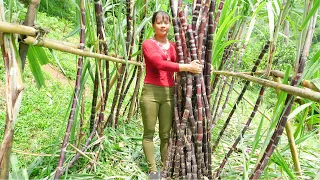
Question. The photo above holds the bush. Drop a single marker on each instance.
(64, 9)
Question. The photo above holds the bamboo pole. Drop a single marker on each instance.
(53, 45)
(277, 73)
(296, 91)
(18, 29)
(30, 31)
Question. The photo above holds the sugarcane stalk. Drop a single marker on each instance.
(228, 52)
(29, 21)
(240, 96)
(274, 38)
(81, 133)
(129, 43)
(102, 49)
(84, 148)
(14, 93)
(248, 35)
(245, 128)
(18, 29)
(299, 67)
(110, 120)
(208, 53)
(291, 141)
(139, 76)
(251, 104)
(94, 99)
(102, 97)
(139, 73)
(76, 93)
(199, 101)
(195, 15)
(280, 127)
(206, 109)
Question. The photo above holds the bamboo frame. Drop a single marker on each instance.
(314, 96)
(17, 29)
(54, 45)
(277, 73)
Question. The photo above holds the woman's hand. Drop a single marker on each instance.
(195, 67)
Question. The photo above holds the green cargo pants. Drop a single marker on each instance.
(156, 102)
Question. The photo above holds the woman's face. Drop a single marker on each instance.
(161, 26)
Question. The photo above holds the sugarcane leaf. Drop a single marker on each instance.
(57, 61)
(299, 109)
(277, 111)
(280, 161)
(271, 19)
(316, 82)
(312, 67)
(277, 6)
(257, 137)
(11, 5)
(223, 46)
(108, 7)
(88, 66)
(41, 54)
(314, 120)
(258, 9)
(75, 4)
(15, 168)
(142, 25)
(34, 164)
(73, 32)
(16, 172)
(35, 67)
(303, 138)
(314, 9)
(136, 53)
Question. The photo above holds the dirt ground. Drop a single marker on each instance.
(54, 73)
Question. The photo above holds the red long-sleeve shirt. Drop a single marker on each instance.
(159, 70)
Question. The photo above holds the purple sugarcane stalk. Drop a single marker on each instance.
(76, 93)
(261, 93)
(264, 50)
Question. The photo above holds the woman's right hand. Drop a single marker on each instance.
(195, 67)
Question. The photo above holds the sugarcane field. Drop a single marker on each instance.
(155, 89)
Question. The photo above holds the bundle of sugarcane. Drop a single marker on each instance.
(189, 151)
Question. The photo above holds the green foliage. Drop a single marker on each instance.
(64, 9)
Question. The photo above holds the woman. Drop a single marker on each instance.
(156, 99)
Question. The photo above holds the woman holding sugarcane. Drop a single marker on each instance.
(156, 101)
